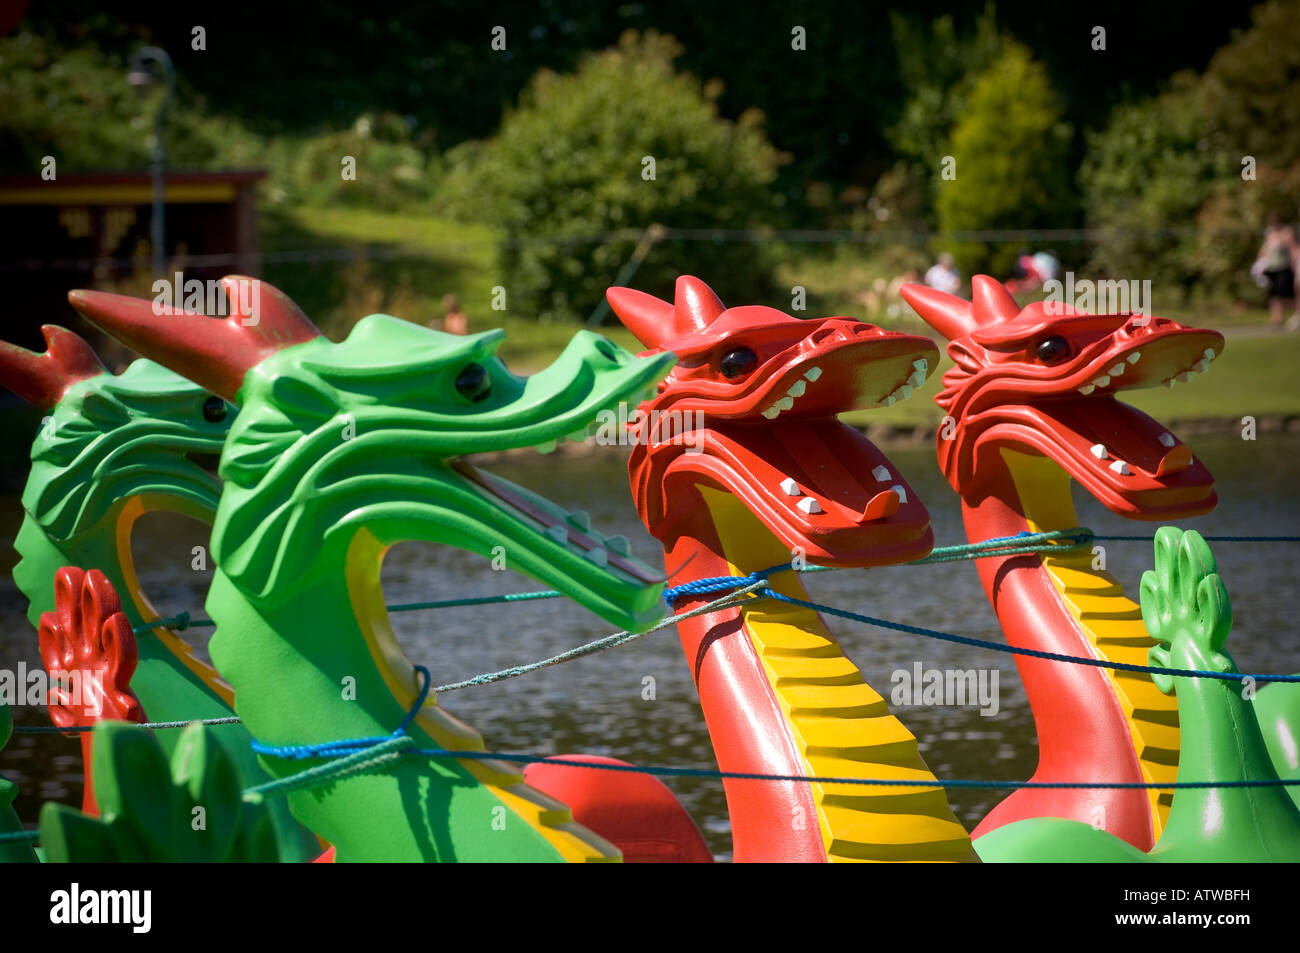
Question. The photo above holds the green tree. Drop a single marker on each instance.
(575, 160)
(1180, 185)
(1010, 150)
(938, 66)
(1145, 176)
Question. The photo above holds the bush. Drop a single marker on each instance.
(392, 171)
(1163, 180)
(1010, 149)
(568, 162)
(1144, 178)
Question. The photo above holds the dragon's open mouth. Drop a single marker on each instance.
(1129, 461)
(817, 484)
(570, 531)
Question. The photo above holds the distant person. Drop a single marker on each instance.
(1047, 265)
(1275, 262)
(943, 275)
(1032, 270)
(454, 320)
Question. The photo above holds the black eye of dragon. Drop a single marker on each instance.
(473, 383)
(214, 410)
(1053, 350)
(738, 363)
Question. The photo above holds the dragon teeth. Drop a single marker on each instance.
(917, 378)
(1134, 357)
(789, 487)
(797, 389)
(580, 520)
(598, 556)
(1118, 369)
(558, 533)
(890, 401)
(813, 373)
(1102, 381)
(902, 494)
(1166, 439)
(785, 403)
(1087, 389)
(546, 447)
(619, 544)
(1183, 376)
(1209, 354)
(921, 364)
(772, 412)
(1201, 366)
(881, 473)
(809, 505)
(1120, 467)
(905, 390)
(1099, 451)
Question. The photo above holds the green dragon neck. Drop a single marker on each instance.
(330, 648)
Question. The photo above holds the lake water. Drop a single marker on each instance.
(595, 704)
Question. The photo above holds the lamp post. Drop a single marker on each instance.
(142, 77)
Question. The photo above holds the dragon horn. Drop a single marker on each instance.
(213, 352)
(695, 305)
(43, 379)
(649, 318)
(947, 314)
(991, 302)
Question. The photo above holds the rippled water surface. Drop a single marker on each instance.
(596, 705)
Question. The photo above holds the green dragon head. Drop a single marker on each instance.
(341, 451)
(107, 438)
(372, 432)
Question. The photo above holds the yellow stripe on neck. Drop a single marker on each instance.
(132, 509)
(840, 724)
(1111, 622)
(550, 818)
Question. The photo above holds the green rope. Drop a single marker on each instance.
(1009, 546)
(608, 642)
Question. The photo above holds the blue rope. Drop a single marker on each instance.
(339, 749)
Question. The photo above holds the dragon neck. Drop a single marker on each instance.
(1064, 604)
(780, 697)
(324, 665)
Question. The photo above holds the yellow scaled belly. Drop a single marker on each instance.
(1111, 622)
(841, 725)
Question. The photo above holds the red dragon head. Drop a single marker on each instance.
(750, 410)
(1043, 380)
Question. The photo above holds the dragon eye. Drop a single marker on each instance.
(738, 363)
(214, 410)
(473, 383)
(1053, 350)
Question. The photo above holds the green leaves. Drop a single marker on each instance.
(1010, 147)
(191, 810)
